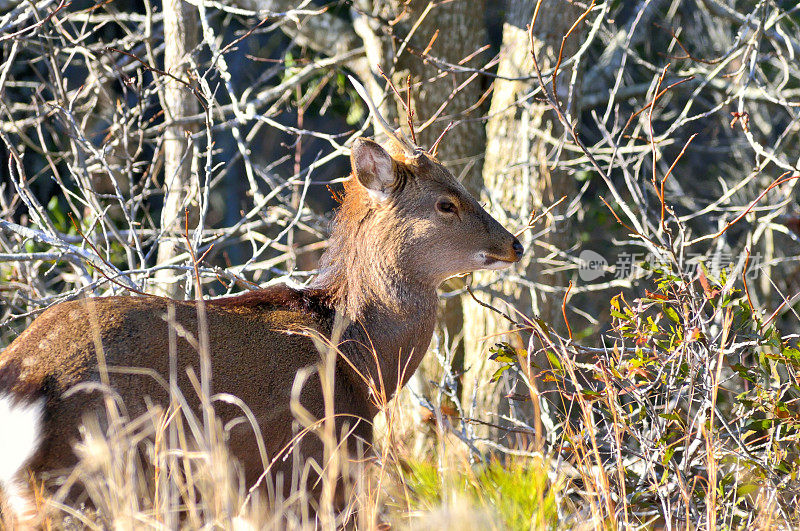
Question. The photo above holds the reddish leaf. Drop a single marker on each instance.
(707, 289)
(657, 296)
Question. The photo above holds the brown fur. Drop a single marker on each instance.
(390, 248)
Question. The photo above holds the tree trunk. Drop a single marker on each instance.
(180, 157)
(461, 32)
(519, 179)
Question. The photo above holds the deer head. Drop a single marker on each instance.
(406, 219)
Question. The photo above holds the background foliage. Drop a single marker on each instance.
(656, 386)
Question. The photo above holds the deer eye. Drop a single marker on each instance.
(446, 207)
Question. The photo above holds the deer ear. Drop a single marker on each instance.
(373, 167)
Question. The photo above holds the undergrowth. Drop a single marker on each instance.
(512, 495)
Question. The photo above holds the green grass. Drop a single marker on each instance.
(516, 494)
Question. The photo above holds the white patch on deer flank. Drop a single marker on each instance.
(22, 505)
(20, 431)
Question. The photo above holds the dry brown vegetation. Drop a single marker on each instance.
(655, 387)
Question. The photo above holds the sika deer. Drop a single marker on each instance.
(405, 225)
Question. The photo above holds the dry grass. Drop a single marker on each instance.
(668, 402)
(653, 434)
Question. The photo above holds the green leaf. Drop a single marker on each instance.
(746, 488)
(762, 424)
(792, 355)
(667, 455)
(619, 315)
(498, 373)
(54, 209)
(670, 416)
(742, 371)
(554, 361)
(671, 314)
(355, 113)
(590, 395)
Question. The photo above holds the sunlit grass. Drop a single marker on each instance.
(512, 495)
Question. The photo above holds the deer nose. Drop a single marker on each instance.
(518, 248)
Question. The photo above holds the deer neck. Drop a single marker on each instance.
(390, 315)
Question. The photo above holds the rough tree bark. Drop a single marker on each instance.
(395, 33)
(461, 32)
(180, 38)
(519, 179)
